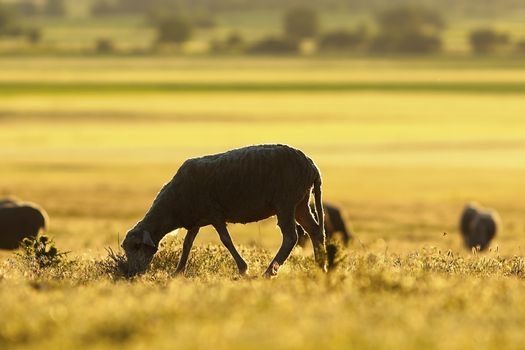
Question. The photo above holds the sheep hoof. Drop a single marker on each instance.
(243, 272)
(272, 270)
(269, 275)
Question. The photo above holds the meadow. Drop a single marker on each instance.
(402, 145)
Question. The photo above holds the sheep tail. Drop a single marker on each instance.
(319, 202)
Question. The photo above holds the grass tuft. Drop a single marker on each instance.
(115, 264)
(334, 255)
(40, 253)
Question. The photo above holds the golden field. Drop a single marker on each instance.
(402, 145)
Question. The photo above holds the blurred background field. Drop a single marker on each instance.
(401, 159)
(102, 101)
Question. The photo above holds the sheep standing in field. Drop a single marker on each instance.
(9, 201)
(19, 220)
(239, 186)
(333, 224)
(478, 226)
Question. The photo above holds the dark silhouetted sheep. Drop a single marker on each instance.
(19, 220)
(333, 224)
(478, 226)
(9, 201)
(239, 186)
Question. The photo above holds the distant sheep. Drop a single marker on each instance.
(239, 186)
(478, 226)
(19, 220)
(9, 201)
(333, 224)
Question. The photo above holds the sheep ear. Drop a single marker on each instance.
(146, 239)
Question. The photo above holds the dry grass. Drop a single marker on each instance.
(373, 300)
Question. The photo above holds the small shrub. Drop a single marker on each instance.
(234, 43)
(486, 41)
(274, 45)
(408, 29)
(411, 43)
(340, 40)
(40, 252)
(104, 46)
(401, 20)
(172, 28)
(418, 43)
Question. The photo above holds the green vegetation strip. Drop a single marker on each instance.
(18, 88)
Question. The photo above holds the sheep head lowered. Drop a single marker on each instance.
(139, 248)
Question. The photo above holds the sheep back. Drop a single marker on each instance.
(239, 186)
(19, 222)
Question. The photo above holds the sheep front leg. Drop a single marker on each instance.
(186, 247)
(286, 222)
(228, 243)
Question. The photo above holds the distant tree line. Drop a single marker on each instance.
(462, 6)
(399, 29)
(402, 29)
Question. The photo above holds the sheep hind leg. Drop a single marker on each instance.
(305, 218)
(287, 224)
(186, 247)
(228, 243)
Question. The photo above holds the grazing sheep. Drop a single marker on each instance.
(239, 186)
(19, 221)
(469, 213)
(9, 201)
(333, 224)
(478, 226)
